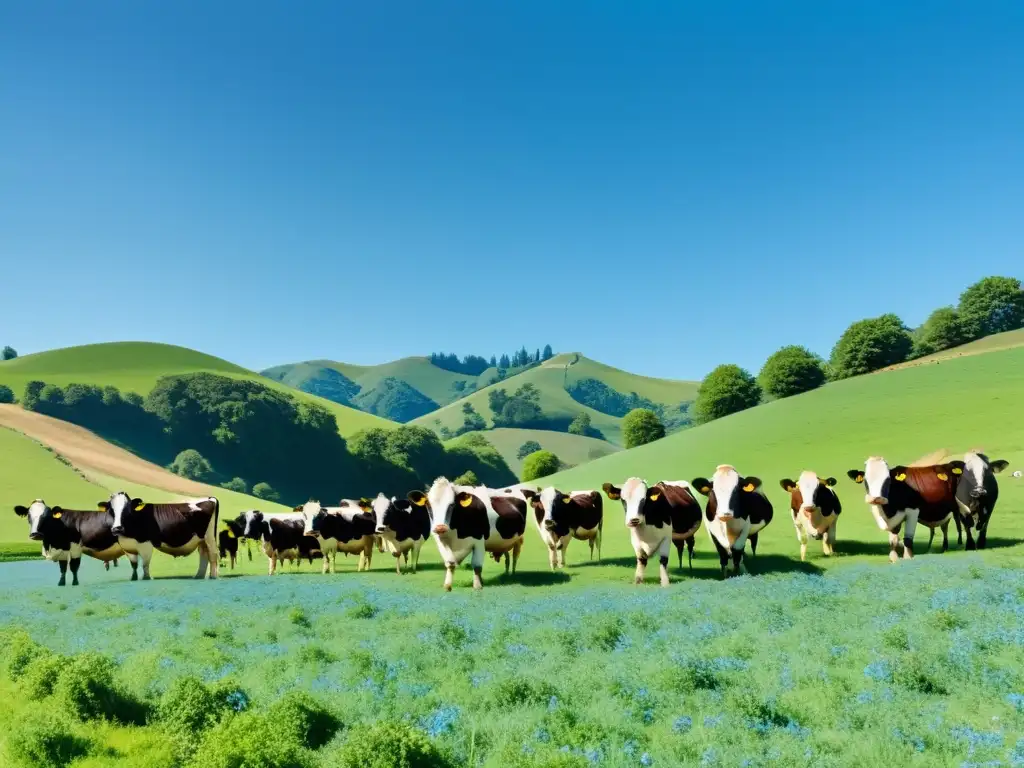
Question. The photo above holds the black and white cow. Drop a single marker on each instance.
(401, 527)
(67, 534)
(348, 528)
(177, 529)
(976, 495)
(737, 510)
(282, 537)
(562, 517)
(815, 508)
(468, 521)
(227, 540)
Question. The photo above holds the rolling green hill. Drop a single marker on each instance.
(551, 378)
(960, 403)
(571, 449)
(136, 366)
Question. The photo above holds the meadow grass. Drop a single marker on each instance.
(571, 449)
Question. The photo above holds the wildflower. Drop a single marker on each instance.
(682, 724)
(440, 721)
(712, 721)
(1016, 700)
(542, 735)
(878, 670)
(710, 756)
(648, 716)
(630, 748)
(646, 759)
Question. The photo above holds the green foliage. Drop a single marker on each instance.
(868, 345)
(942, 330)
(388, 744)
(304, 720)
(992, 305)
(321, 381)
(521, 409)
(251, 740)
(51, 398)
(548, 352)
(6, 394)
(580, 425)
(30, 400)
(790, 371)
(18, 650)
(517, 690)
(467, 478)
(396, 400)
(45, 739)
(473, 453)
(595, 394)
(9, 353)
(641, 426)
(236, 484)
(189, 706)
(727, 389)
(41, 674)
(530, 446)
(540, 464)
(191, 464)
(86, 689)
(472, 421)
(265, 491)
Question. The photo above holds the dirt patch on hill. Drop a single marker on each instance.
(88, 451)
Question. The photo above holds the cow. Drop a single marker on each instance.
(282, 538)
(815, 508)
(737, 510)
(562, 517)
(67, 534)
(505, 503)
(177, 529)
(227, 540)
(655, 516)
(976, 494)
(473, 521)
(905, 496)
(348, 528)
(401, 528)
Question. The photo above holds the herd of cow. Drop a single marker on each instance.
(476, 521)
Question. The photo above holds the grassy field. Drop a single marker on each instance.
(571, 449)
(136, 366)
(551, 378)
(997, 341)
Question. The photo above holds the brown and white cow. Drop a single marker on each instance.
(562, 517)
(905, 496)
(815, 508)
(474, 521)
(976, 495)
(348, 528)
(737, 510)
(401, 527)
(67, 534)
(227, 540)
(177, 529)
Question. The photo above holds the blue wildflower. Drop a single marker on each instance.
(682, 724)
(879, 671)
(648, 716)
(630, 748)
(712, 721)
(710, 756)
(542, 735)
(552, 704)
(237, 700)
(1016, 700)
(440, 721)
(646, 759)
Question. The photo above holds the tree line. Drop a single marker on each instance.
(474, 365)
(991, 305)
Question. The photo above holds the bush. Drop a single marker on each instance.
(6, 394)
(869, 345)
(388, 744)
(9, 353)
(467, 478)
(86, 689)
(580, 425)
(19, 650)
(30, 400)
(191, 464)
(641, 426)
(942, 330)
(189, 706)
(301, 718)
(251, 741)
(540, 464)
(41, 675)
(726, 390)
(518, 691)
(236, 484)
(265, 491)
(790, 371)
(992, 305)
(44, 739)
(530, 446)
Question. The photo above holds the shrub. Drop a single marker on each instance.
(919, 673)
(790, 371)
(540, 464)
(516, 691)
(191, 464)
(189, 706)
(530, 446)
(992, 305)
(580, 425)
(641, 426)
(251, 740)
(6, 394)
(388, 744)
(467, 478)
(41, 675)
(607, 633)
(44, 739)
(301, 718)
(9, 353)
(265, 491)
(236, 484)
(19, 650)
(868, 345)
(86, 689)
(726, 390)
(298, 617)
(942, 330)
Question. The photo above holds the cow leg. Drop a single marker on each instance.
(327, 563)
(271, 563)
(398, 563)
(689, 552)
(931, 535)
(63, 572)
(680, 546)
(204, 561)
(591, 542)
(106, 565)
(828, 539)
(75, 562)
(563, 547)
(478, 564)
(507, 562)
(982, 530)
(449, 576)
(553, 556)
(753, 544)
(369, 555)
(723, 554)
(945, 536)
(737, 561)
(894, 541)
(248, 549)
(519, 548)
(663, 554)
(146, 556)
(971, 545)
(134, 560)
(416, 555)
(801, 536)
(600, 535)
(908, 536)
(641, 567)
(960, 525)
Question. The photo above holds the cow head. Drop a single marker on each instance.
(385, 512)
(877, 479)
(807, 495)
(253, 526)
(236, 527)
(976, 479)
(123, 507)
(550, 505)
(725, 491)
(440, 501)
(312, 514)
(634, 495)
(40, 517)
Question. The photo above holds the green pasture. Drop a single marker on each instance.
(571, 449)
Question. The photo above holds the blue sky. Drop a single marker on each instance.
(663, 186)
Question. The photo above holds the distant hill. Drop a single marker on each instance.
(573, 450)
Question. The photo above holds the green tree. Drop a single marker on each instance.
(548, 352)
(942, 330)
(467, 478)
(992, 305)
(580, 425)
(266, 492)
(497, 399)
(9, 353)
(530, 446)
(30, 400)
(6, 394)
(540, 464)
(868, 345)
(236, 484)
(51, 398)
(727, 389)
(790, 371)
(641, 426)
(471, 420)
(191, 464)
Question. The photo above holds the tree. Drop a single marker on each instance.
(50, 398)
(494, 362)
(868, 345)
(266, 492)
(191, 464)
(548, 352)
(992, 305)
(504, 362)
(727, 389)
(236, 484)
(467, 478)
(530, 446)
(497, 399)
(6, 394)
(641, 426)
(790, 371)
(9, 353)
(942, 330)
(540, 464)
(580, 425)
(471, 420)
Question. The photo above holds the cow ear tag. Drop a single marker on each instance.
(654, 496)
(705, 489)
(901, 476)
(565, 499)
(421, 501)
(748, 487)
(957, 471)
(613, 496)
(943, 476)
(101, 508)
(139, 506)
(466, 501)
(58, 515)
(231, 534)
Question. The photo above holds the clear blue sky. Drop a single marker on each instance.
(663, 186)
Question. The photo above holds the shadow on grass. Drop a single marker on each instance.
(528, 579)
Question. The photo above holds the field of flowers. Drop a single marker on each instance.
(866, 665)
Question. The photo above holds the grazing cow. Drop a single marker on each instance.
(562, 517)
(67, 534)
(282, 537)
(976, 494)
(655, 516)
(348, 528)
(815, 508)
(401, 527)
(177, 529)
(468, 520)
(228, 540)
(507, 503)
(905, 496)
(737, 510)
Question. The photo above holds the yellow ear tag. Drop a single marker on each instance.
(957, 471)
(421, 501)
(613, 496)
(58, 515)
(466, 501)
(654, 496)
(565, 499)
(705, 489)
(860, 478)
(901, 476)
(139, 507)
(943, 476)
(102, 508)
(231, 533)
(748, 487)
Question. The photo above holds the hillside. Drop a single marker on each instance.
(571, 449)
(997, 341)
(551, 378)
(970, 401)
(136, 366)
